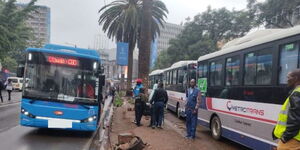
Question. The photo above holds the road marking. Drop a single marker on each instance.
(11, 104)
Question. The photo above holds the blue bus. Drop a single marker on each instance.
(63, 88)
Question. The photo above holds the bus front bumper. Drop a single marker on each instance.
(43, 123)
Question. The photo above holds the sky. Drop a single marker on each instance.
(75, 22)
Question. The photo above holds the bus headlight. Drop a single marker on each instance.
(26, 113)
(89, 119)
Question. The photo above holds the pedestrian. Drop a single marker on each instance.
(287, 128)
(159, 100)
(112, 92)
(9, 88)
(193, 96)
(137, 87)
(139, 104)
(136, 91)
(1, 88)
(151, 105)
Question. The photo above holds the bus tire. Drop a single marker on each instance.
(216, 128)
(178, 112)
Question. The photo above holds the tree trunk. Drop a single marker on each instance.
(130, 66)
(145, 45)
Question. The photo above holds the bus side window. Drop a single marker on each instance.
(215, 78)
(288, 60)
(232, 71)
(258, 68)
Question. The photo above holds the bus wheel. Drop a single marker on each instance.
(216, 128)
(178, 111)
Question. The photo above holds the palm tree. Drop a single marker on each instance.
(122, 20)
(145, 45)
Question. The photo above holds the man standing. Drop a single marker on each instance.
(288, 124)
(151, 105)
(191, 109)
(138, 86)
(160, 99)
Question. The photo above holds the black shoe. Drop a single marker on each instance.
(153, 127)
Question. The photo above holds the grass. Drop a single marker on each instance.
(118, 102)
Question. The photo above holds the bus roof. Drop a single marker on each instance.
(181, 64)
(253, 39)
(156, 72)
(66, 50)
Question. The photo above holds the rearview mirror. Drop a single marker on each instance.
(20, 71)
(102, 80)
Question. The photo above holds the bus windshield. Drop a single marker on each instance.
(60, 82)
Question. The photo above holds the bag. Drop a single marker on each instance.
(9, 87)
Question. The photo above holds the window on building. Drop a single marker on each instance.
(232, 70)
(289, 54)
(216, 73)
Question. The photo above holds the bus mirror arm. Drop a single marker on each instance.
(20, 71)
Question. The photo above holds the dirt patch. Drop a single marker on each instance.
(156, 139)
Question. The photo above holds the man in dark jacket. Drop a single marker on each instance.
(160, 99)
(288, 124)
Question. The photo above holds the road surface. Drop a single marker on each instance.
(16, 137)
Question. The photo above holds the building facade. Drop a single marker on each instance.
(170, 31)
(40, 23)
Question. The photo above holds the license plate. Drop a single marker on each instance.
(59, 123)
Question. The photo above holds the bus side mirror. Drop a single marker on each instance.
(102, 80)
(101, 69)
(20, 71)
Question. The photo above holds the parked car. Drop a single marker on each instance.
(16, 82)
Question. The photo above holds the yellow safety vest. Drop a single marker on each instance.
(282, 118)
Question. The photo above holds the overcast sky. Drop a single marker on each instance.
(76, 21)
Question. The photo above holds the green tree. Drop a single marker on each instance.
(122, 20)
(206, 33)
(14, 34)
(10, 63)
(276, 13)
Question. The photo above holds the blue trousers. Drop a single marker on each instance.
(191, 123)
(158, 112)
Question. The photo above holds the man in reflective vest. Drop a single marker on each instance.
(288, 124)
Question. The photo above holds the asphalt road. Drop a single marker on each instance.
(16, 137)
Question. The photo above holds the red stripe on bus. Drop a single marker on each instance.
(209, 106)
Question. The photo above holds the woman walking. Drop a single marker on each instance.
(9, 88)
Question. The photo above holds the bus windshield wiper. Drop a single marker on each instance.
(86, 107)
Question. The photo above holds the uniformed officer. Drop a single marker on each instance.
(193, 95)
(288, 124)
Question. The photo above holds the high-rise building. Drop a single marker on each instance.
(40, 23)
(170, 31)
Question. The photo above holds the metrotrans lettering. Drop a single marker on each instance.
(236, 108)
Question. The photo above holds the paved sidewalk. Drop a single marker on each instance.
(15, 97)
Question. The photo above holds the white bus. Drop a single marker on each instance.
(176, 80)
(244, 85)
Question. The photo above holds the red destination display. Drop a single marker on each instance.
(62, 61)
